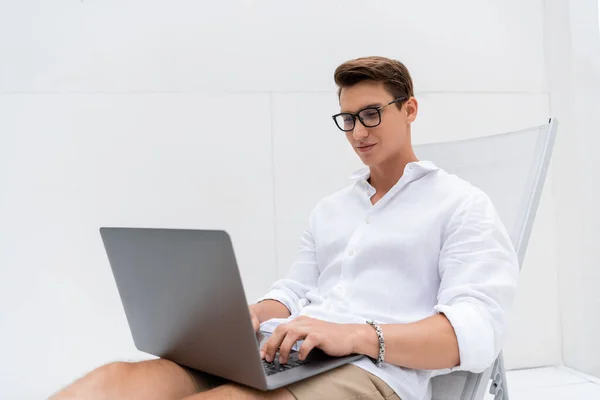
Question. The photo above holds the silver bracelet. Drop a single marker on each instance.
(379, 361)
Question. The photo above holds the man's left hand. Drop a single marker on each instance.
(336, 340)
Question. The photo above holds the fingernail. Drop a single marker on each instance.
(262, 354)
(281, 360)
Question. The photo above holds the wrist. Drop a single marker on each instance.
(256, 309)
(365, 341)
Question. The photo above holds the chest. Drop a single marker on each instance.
(394, 233)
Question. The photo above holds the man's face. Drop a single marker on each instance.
(376, 145)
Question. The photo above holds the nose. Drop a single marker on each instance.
(359, 132)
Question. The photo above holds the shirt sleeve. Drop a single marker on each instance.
(302, 277)
(479, 272)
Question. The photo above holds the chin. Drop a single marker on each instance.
(369, 161)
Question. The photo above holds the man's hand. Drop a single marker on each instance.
(334, 339)
(265, 310)
(254, 318)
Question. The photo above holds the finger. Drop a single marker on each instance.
(272, 345)
(309, 343)
(293, 335)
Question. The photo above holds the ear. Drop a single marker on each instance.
(411, 107)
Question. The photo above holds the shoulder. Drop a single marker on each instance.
(457, 192)
(334, 201)
(470, 211)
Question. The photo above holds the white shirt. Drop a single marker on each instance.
(432, 244)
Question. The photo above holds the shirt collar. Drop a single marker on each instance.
(418, 168)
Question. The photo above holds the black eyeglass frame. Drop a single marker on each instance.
(355, 116)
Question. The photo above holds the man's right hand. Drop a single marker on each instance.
(265, 310)
(254, 318)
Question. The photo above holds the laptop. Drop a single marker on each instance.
(184, 301)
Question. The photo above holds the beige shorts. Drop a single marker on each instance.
(346, 382)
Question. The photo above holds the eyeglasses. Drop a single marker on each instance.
(370, 117)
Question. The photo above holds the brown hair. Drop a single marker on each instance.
(392, 73)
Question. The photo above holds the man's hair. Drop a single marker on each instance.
(392, 73)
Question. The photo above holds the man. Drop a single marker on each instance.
(408, 265)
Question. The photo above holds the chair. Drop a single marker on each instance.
(511, 168)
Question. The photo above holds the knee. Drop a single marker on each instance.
(115, 371)
(117, 368)
(96, 382)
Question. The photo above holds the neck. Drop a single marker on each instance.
(384, 176)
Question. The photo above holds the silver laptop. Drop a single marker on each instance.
(184, 301)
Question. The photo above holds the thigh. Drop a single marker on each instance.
(202, 380)
(346, 382)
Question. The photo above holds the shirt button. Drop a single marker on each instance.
(351, 252)
(367, 219)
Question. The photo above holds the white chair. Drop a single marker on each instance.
(511, 168)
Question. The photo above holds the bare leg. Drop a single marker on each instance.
(148, 380)
(238, 392)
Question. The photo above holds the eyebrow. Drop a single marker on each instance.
(374, 105)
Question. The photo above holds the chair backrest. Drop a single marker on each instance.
(511, 168)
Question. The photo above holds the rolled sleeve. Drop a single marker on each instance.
(303, 276)
(285, 296)
(479, 274)
(474, 333)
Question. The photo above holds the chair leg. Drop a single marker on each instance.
(499, 387)
(504, 382)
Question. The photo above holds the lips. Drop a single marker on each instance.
(365, 147)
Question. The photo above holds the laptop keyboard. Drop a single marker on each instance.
(275, 367)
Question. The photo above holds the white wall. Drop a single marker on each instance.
(217, 115)
(573, 53)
